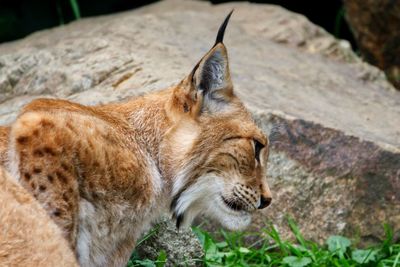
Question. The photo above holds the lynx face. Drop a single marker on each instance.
(220, 155)
(239, 170)
(224, 175)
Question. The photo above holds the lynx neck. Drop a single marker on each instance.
(147, 119)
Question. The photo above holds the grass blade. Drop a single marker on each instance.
(75, 8)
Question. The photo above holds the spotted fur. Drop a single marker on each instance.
(105, 173)
(27, 236)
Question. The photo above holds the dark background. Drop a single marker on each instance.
(19, 18)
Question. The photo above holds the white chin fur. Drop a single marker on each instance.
(230, 219)
(204, 197)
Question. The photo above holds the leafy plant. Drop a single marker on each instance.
(294, 261)
(338, 245)
(272, 250)
(231, 249)
(159, 262)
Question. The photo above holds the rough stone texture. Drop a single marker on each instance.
(182, 247)
(335, 164)
(332, 182)
(376, 27)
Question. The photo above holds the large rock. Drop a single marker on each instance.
(332, 182)
(334, 167)
(376, 28)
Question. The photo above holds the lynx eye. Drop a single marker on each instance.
(257, 148)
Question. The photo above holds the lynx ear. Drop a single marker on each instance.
(211, 75)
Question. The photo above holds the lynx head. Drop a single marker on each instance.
(217, 156)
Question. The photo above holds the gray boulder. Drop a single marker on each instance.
(181, 246)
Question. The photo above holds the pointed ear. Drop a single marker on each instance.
(211, 76)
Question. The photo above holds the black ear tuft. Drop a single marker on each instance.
(221, 31)
(220, 38)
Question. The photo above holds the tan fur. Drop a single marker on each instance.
(27, 236)
(105, 173)
(4, 133)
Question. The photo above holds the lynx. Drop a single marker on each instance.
(105, 173)
(27, 235)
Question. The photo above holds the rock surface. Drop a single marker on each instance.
(181, 246)
(376, 27)
(336, 161)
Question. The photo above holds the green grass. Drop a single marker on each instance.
(271, 250)
(74, 5)
(159, 262)
(75, 8)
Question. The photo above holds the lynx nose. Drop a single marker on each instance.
(264, 202)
